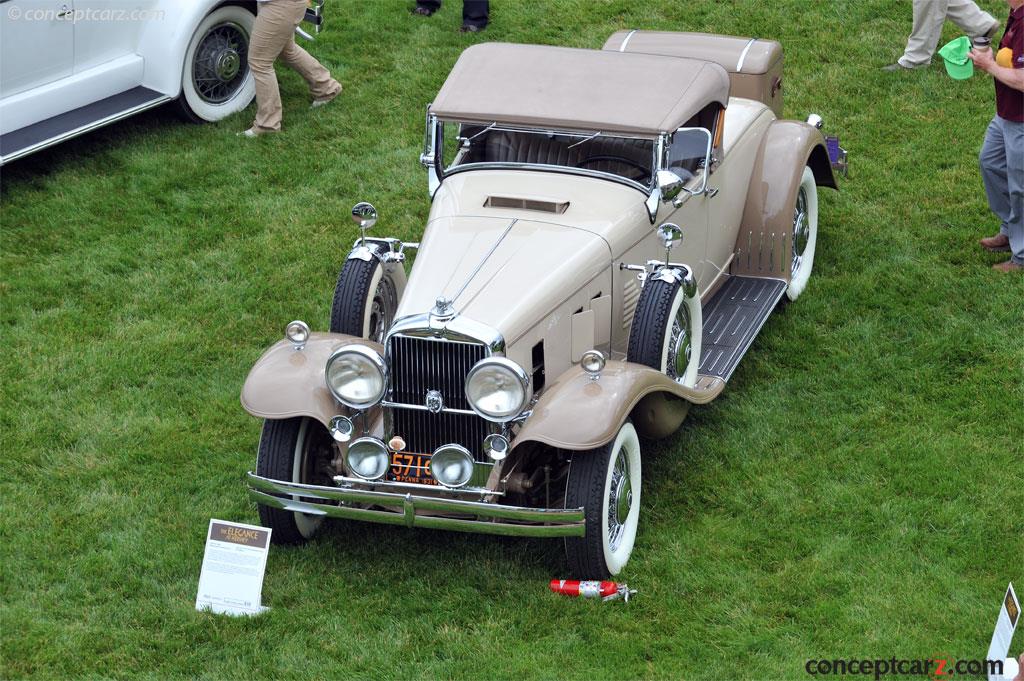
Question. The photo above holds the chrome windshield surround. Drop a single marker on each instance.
(432, 161)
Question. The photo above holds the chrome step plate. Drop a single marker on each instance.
(732, 320)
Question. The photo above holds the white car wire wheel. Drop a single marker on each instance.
(666, 331)
(805, 234)
(606, 483)
(293, 450)
(215, 80)
(366, 298)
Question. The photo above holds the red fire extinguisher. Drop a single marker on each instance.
(606, 591)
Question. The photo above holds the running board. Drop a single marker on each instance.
(732, 320)
(31, 138)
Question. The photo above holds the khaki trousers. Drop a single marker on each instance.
(929, 16)
(273, 36)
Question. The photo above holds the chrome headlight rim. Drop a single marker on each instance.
(376, 360)
(517, 371)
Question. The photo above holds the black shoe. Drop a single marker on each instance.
(423, 11)
(470, 28)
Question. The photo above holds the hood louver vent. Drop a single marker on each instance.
(526, 204)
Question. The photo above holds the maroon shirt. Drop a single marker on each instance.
(1010, 102)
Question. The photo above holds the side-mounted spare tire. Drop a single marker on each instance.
(666, 330)
(366, 295)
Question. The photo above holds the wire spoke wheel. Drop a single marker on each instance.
(801, 230)
(221, 62)
(680, 345)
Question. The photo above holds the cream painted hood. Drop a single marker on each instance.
(505, 272)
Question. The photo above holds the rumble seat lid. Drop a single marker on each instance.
(578, 89)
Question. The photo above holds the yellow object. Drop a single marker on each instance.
(1004, 58)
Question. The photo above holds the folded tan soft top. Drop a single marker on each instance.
(576, 89)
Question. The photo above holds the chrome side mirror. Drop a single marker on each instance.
(670, 185)
(364, 215)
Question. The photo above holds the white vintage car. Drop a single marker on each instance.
(71, 66)
(609, 231)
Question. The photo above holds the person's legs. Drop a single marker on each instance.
(924, 37)
(971, 19)
(476, 13)
(992, 161)
(271, 32)
(321, 84)
(1013, 136)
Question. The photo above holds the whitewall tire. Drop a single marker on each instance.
(666, 331)
(606, 483)
(215, 80)
(805, 234)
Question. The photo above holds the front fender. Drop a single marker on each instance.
(576, 412)
(286, 382)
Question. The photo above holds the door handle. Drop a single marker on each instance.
(64, 12)
(711, 192)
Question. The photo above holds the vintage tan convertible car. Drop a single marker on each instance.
(609, 231)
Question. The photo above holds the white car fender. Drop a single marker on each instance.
(163, 41)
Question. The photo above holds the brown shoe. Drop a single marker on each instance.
(1008, 266)
(1000, 243)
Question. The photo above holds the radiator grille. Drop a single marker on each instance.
(421, 364)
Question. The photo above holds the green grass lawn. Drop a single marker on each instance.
(856, 491)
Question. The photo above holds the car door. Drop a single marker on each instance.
(109, 29)
(37, 43)
(687, 157)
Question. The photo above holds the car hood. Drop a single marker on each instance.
(506, 272)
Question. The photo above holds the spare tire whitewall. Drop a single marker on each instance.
(215, 80)
(805, 234)
(366, 297)
(667, 328)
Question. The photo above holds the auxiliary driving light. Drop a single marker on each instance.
(593, 362)
(496, 446)
(357, 376)
(297, 333)
(452, 465)
(368, 458)
(341, 428)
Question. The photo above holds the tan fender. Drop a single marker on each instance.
(763, 243)
(576, 412)
(286, 382)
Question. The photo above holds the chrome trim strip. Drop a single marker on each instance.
(70, 134)
(483, 261)
(625, 41)
(541, 167)
(456, 329)
(743, 54)
(420, 407)
(561, 522)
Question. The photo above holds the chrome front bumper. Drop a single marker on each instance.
(477, 516)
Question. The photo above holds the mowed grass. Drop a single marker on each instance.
(856, 491)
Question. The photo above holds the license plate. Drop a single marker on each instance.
(410, 467)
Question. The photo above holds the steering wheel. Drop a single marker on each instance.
(645, 172)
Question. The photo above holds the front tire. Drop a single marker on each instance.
(215, 80)
(666, 331)
(366, 298)
(293, 450)
(804, 237)
(606, 483)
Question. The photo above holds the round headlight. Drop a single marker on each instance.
(368, 458)
(496, 388)
(357, 376)
(452, 465)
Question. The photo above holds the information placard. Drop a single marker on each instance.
(1009, 614)
(231, 582)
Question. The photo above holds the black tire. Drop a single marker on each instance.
(662, 303)
(364, 284)
(279, 444)
(588, 556)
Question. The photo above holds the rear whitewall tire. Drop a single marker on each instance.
(804, 237)
(192, 102)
